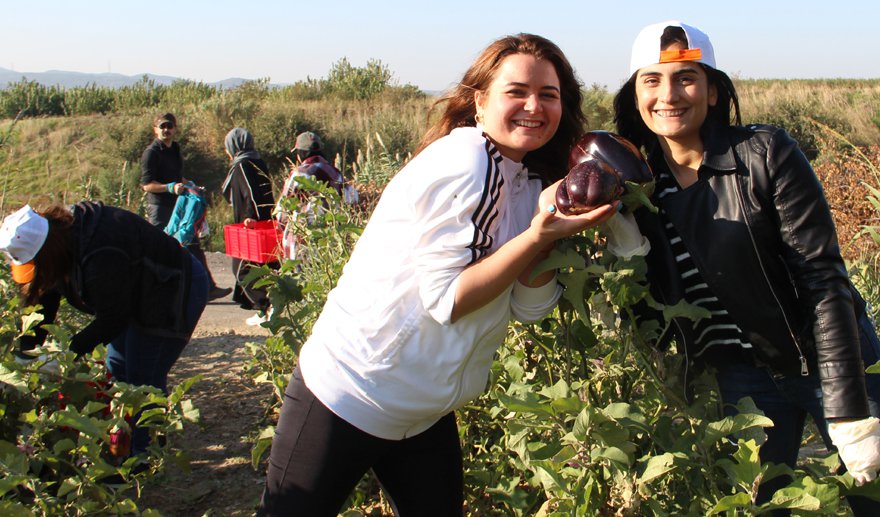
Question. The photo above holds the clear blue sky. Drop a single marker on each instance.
(427, 44)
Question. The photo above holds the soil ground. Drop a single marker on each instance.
(221, 480)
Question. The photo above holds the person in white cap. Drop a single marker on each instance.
(146, 292)
(745, 227)
(409, 333)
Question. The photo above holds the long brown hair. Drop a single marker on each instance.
(459, 109)
(53, 262)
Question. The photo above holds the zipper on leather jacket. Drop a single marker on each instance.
(805, 370)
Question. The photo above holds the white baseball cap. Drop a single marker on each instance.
(21, 237)
(646, 48)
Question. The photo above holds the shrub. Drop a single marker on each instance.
(65, 424)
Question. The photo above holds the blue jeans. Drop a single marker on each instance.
(141, 359)
(787, 401)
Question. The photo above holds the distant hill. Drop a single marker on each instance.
(73, 79)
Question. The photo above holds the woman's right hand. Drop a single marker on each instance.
(550, 224)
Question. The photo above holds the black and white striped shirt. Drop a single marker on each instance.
(714, 334)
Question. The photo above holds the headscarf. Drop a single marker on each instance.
(240, 145)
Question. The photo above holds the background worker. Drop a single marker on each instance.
(162, 179)
(145, 291)
(248, 189)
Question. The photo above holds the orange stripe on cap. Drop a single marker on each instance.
(23, 273)
(687, 54)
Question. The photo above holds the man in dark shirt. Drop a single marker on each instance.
(162, 179)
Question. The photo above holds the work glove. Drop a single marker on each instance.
(623, 236)
(858, 445)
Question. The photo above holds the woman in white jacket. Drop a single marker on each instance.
(409, 333)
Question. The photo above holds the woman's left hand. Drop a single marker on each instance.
(249, 223)
(551, 224)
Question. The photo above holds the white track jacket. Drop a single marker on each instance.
(383, 354)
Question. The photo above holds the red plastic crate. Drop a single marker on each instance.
(262, 243)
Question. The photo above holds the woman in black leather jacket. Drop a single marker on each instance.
(744, 231)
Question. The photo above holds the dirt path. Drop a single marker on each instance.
(221, 480)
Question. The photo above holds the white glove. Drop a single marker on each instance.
(858, 445)
(623, 236)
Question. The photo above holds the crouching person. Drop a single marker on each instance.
(145, 290)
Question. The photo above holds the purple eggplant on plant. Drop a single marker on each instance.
(604, 167)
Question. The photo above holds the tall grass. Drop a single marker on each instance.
(850, 107)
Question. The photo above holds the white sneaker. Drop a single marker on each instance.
(259, 318)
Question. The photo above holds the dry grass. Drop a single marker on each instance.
(843, 176)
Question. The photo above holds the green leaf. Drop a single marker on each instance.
(638, 194)
(568, 405)
(14, 378)
(61, 334)
(31, 320)
(557, 391)
(730, 425)
(67, 485)
(8, 483)
(530, 404)
(190, 412)
(62, 446)
(561, 260)
(657, 466)
(583, 334)
(871, 489)
(263, 442)
(731, 502)
(582, 424)
(575, 283)
(683, 309)
(794, 499)
(14, 509)
(71, 418)
(615, 454)
(550, 477)
(744, 466)
(539, 451)
(828, 494)
(618, 410)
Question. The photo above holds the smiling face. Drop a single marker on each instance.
(521, 108)
(674, 99)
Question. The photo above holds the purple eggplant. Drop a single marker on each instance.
(604, 167)
(588, 185)
(619, 152)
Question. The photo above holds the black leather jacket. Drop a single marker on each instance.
(760, 231)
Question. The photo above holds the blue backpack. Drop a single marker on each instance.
(188, 214)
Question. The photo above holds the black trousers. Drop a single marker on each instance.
(317, 459)
(244, 293)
